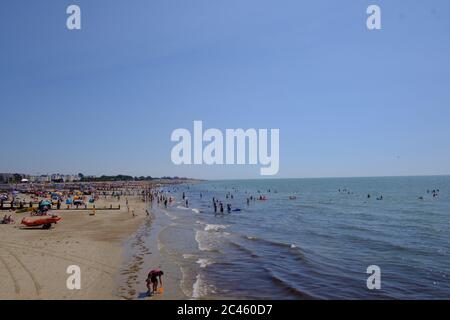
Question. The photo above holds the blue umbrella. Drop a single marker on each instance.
(46, 203)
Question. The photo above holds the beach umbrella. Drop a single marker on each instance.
(46, 203)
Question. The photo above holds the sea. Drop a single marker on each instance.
(310, 238)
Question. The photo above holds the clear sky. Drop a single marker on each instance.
(105, 99)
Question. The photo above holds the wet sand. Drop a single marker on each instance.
(143, 253)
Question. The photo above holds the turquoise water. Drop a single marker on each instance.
(318, 245)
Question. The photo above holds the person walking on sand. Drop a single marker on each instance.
(152, 280)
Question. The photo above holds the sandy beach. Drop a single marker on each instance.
(33, 262)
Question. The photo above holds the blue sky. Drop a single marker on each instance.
(105, 99)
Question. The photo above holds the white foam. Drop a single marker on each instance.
(293, 246)
(203, 262)
(182, 208)
(200, 238)
(196, 210)
(199, 289)
(215, 227)
(188, 256)
(170, 215)
(159, 245)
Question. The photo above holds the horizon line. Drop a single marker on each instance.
(335, 177)
(230, 179)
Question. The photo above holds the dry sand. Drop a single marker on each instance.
(33, 262)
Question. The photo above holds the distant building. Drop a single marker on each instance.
(44, 178)
(71, 178)
(5, 177)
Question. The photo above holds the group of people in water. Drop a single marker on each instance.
(218, 206)
(434, 193)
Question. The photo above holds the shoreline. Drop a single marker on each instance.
(143, 252)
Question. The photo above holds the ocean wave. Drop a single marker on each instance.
(169, 214)
(270, 242)
(244, 249)
(292, 249)
(288, 288)
(204, 241)
(182, 208)
(196, 210)
(385, 244)
(203, 262)
(215, 227)
(200, 288)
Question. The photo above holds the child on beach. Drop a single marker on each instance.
(152, 280)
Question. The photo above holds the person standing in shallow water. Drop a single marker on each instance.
(152, 281)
